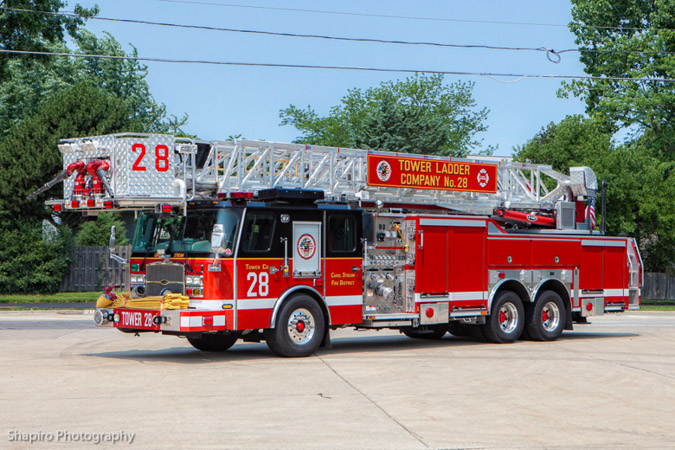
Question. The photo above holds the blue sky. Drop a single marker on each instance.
(223, 100)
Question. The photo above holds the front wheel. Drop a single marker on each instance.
(507, 320)
(299, 328)
(213, 342)
(545, 319)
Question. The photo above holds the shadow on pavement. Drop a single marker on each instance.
(341, 345)
(572, 335)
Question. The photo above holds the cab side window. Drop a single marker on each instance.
(258, 232)
(341, 233)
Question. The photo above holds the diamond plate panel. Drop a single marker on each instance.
(144, 166)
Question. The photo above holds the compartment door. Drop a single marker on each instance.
(432, 260)
(307, 249)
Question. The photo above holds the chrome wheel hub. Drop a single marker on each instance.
(550, 316)
(301, 326)
(508, 318)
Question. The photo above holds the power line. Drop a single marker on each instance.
(274, 33)
(389, 16)
(552, 54)
(356, 68)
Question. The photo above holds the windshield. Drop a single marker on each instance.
(184, 234)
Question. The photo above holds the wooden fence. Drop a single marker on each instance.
(658, 286)
(92, 270)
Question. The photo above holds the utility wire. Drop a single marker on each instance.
(389, 16)
(314, 66)
(552, 54)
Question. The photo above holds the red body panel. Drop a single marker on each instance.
(454, 257)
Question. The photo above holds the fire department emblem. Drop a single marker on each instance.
(306, 246)
(483, 178)
(383, 171)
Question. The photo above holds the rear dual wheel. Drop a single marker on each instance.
(506, 322)
(545, 319)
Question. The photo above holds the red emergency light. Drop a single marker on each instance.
(75, 204)
(57, 208)
(241, 195)
(108, 204)
(166, 208)
(91, 202)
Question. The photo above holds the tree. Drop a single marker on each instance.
(29, 155)
(34, 32)
(417, 115)
(23, 89)
(629, 39)
(641, 187)
(97, 232)
(574, 141)
(29, 263)
(612, 34)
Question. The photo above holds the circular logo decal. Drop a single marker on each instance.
(483, 178)
(531, 218)
(306, 246)
(383, 170)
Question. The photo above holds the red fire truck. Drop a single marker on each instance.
(285, 242)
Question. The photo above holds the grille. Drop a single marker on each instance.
(567, 220)
(161, 277)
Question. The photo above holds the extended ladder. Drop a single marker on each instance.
(146, 170)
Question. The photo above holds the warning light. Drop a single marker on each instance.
(429, 312)
(75, 204)
(502, 275)
(108, 204)
(166, 208)
(589, 306)
(208, 320)
(241, 195)
(57, 208)
(91, 202)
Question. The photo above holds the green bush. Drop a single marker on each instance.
(97, 232)
(31, 264)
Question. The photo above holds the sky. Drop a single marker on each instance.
(223, 101)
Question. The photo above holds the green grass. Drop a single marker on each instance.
(657, 308)
(60, 297)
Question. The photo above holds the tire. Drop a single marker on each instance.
(460, 329)
(299, 328)
(545, 319)
(213, 342)
(506, 322)
(427, 332)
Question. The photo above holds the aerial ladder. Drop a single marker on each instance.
(144, 171)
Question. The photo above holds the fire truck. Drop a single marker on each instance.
(286, 242)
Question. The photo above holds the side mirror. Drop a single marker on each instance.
(111, 244)
(111, 248)
(218, 238)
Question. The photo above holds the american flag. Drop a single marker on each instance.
(590, 211)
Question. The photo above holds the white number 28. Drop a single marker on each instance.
(261, 280)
